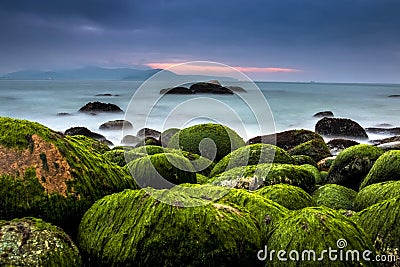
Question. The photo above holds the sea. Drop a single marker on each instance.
(266, 107)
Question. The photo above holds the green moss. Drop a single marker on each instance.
(189, 139)
(376, 193)
(304, 159)
(317, 229)
(386, 168)
(316, 173)
(335, 196)
(289, 196)
(316, 149)
(252, 155)
(256, 176)
(117, 156)
(160, 170)
(201, 179)
(91, 144)
(133, 228)
(324, 175)
(382, 224)
(33, 242)
(352, 165)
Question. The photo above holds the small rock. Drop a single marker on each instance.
(210, 88)
(340, 127)
(323, 114)
(106, 95)
(325, 164)
(339, 144)
(393, 95)
(376, 130)
(390, 146)
(116, 125)
(64, 114)
(86, 132)
(148, 132)
(386, 140)
(130, 140)
(180, 90)
(236, 89)
(93, 107)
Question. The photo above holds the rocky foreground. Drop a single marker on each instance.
(70, 200)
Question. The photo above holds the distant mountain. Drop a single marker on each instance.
(98, 73)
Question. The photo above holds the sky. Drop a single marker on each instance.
(270, 40)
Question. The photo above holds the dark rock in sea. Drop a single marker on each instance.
(386, 140)
(130, 140)
(93, 107)
(323, 114)
(287, 139)
(88, 133)
(210, 88)
(64, 114)
(390, 146)
(149, 141)
(339, 144)
(148, 132)
(180, 90)
(340, 127)
(166, 136)
(393, 95)
(116, 125)
(316, 149)
(384, 125)
(375, 130)
(106, 95)
(236, 89)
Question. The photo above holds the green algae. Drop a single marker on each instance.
(256, 176)
(289, 196)
(201, 179)
(225, 140)
(33, 242)
(317, 149)
(376, 193)
(352, 165)
(303, 159)
(117, 156)
(252, 155)
(317, 229)
(316, 173)
(386, 168)
(133, 228)
(335, 196)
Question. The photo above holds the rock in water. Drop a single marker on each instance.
(95, 107)
(116, 125)
(316, 149)
(88, 133)
(33, 242)
(340, 127)
(338, 145)
(50, 176)
(323, 114)
(210, 88)
(148, 132)
(180, 90)
(159, 234)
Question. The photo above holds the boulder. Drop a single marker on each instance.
(130, 140)
(376, 193)
(179, 90)
(352, 165)
(316, 149)
(340, 127)
(88, 133)
(210, 88)
(326, 163)
(148, 141)
(33, 242)
(287, 139)
(116, 125)
(323, 114)
(148, 132)
(304, 159)
(339, 144)
(96, 107)
(166, 136)
(388, 131)
(390, 146)
(236, 89)
(335, 197)
(386, 140)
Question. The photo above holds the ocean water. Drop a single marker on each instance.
(274, 106)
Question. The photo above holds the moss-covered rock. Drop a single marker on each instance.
(386, 168)
(256, 176)
(158, 234)
(166, 136)
(316, 149)
(335, 196)
(304, 159)
(376, 193)
(289, 196)
(117, 156)
(252, 155)
(352, 165)
(201, 179)
(316, 229)
(162, 170)
(47, 175)
(316, 173)
(326, 163)
(382, 224)
(33, 242)
(213, 141)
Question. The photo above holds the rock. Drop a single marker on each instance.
(391, 131)
(64, 114)
(215, 140)
(316, 149)
(107, 94)
(326, 163)
(236, 89)
(33, 242)
(340, 127)
(386, 168)
(287, 139)
(95, 107)
(159, 234)
(317, 229)
(88, 133)
(352, 165)
(216, 82)
(253, 177)
(117, 156)
(162, 171)
(303, 159)
(376, 193)
(393, 95)
(252, 155)
(180, 90)
(387, 125)
(335, 197)
(166, 136)
(381, 222)
(210, 88)
(130, 140)
(54, 177)
(289, 196)
(323, 114)
(147, 132)
(390, 146)
(338, 145)
(148, 141)
(386, 140)
(116, 125)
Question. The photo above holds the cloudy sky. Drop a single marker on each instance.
(274, 40)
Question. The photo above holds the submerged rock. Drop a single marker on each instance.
(323, 114)
(210, 88)
(316, 149)
(390, 146)
(352, 165)
(386, 140)
(340, 127)
(376, 193)
(33, 242)
(88, 133)
(213, 141)
(148, 132)
(159, 234)
(116, 125)
(375, 130)
(335, 196)
(95, 107)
